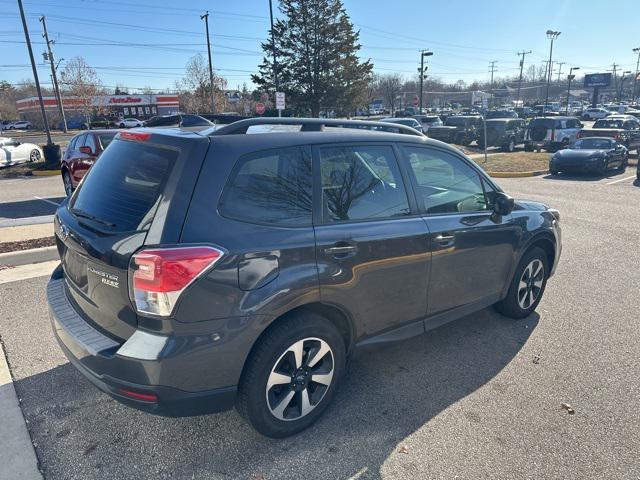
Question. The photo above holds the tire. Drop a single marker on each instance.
(528, 147)
(273, 357)
(518, 304)
(121, 125)
(68, 185)
(553, 171)
(625, 163)
(34, 155)
(509, 147)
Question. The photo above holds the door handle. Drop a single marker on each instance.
(340, 250)
(445, 239)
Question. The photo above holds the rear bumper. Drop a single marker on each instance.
(99, 358)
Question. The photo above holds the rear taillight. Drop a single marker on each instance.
(138, 136)
(160, 275)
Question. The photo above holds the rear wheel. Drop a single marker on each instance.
(625, 163)
(527, 286)
(509, 147)
(34, 156)
(528, 147)
(292, 375)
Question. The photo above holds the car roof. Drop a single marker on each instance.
(101, 130)
(395, 119)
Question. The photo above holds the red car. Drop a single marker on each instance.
(82, 152)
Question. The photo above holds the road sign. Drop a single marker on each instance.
(280, 100)
(597, 80)
(259, 108)
(415, 101)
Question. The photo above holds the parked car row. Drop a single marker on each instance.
(15, 125)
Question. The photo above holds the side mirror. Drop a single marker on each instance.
(503, 204)
(86, 150)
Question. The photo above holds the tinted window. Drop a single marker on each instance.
(273, 186)
(123, 186)
(445, 183)
(105, 139)
(361, 182)
(76, 142)
(605, 123)
(90, 141)
(455, 122)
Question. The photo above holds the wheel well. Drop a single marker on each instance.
(336, 316)
(546, 245)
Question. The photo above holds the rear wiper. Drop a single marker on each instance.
(83, 214)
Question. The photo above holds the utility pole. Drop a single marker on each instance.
(423, 53)
(35, 75)
(615, 77)
(635, 79)
(622, 79)
(570, 77)
(54, 77)
(492, 69)
(213, 97)
(551, 35)
(275, 60)
(523, 53)
(560, 69)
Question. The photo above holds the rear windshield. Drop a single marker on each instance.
(604, 123)
(431, 119)
(122, 188)
(455, 122)
(105, 139)
(546, 122)
(593, 144)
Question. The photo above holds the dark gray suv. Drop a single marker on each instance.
(206, 270)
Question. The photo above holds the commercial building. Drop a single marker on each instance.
(139, 106)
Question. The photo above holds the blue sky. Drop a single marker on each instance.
(464, 35)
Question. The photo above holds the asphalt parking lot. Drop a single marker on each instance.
(477, 398)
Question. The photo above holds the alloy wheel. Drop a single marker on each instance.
(300, 379)
(35, 156)
(530, 284)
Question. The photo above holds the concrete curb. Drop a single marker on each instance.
(45, 173)
(534, 173)
(32, 255)
(20, 460)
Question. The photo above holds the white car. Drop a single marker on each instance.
(595, 113)
(130, 123)
(19, 125)
(13, 152)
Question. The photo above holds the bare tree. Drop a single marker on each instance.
(391, 87)
(81, 82)
(194, 88)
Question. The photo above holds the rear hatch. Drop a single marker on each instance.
(601, 132)
(442, 132)
(136, 192)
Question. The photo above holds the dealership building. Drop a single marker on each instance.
(140, 106)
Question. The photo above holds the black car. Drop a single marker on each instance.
(624, 129)
(505, 133)
(206, 270)
(461, 129)
(593, 154)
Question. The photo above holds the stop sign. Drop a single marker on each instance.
(415, 101)
(259, 108)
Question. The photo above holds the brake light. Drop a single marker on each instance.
(138, 136)
(160, 275)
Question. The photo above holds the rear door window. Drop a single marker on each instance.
(272, 187)
(360, 183)
(122, 189)
(90, 142)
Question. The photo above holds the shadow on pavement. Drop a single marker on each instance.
(387, 394)
(30, 208)
(584, 177)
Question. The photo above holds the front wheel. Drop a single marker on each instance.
(292, 375)
(34, 156)
(625, 163)
(527, 285)
(509, 147)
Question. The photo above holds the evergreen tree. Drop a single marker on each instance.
(316, 50)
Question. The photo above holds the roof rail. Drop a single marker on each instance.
(313, 125)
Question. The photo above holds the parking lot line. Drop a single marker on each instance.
(621, 180)
(46, 200)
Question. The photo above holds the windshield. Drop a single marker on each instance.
(592, 144)
(545, 122)
(606, 123)
(496, 125)
(455, 122)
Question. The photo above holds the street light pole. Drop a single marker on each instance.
(635, 80)
(205, 17)
(35, 74)
(423, 53)
(570, 77)
(551, 35)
